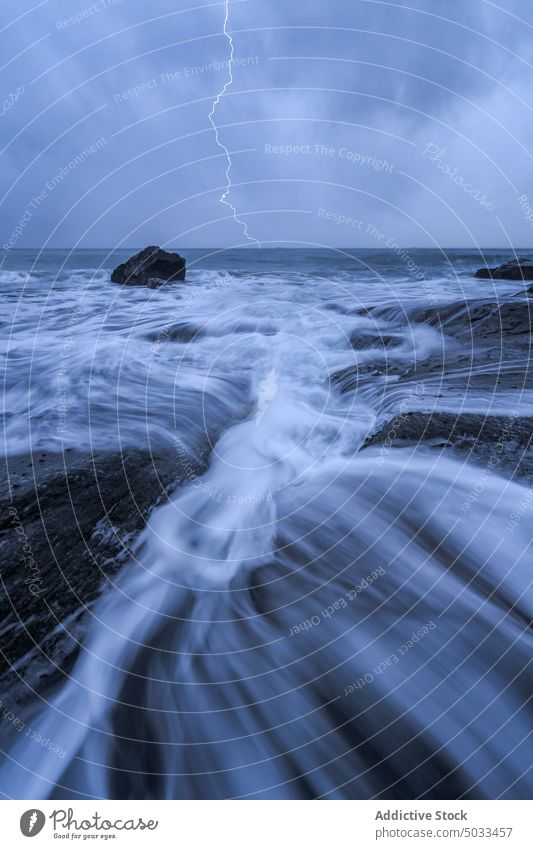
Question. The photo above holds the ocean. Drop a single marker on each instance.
(310, 615)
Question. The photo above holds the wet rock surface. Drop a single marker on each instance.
(504, 442)
(488, 332)
(67, 523)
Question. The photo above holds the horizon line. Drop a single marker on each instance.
(276, 247)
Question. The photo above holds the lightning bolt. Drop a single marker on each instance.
(218, 98)
(33, 820)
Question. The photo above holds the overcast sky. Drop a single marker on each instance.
(410, 120)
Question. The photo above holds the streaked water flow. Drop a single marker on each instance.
(304, 619)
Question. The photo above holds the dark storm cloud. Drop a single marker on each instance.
(402, 116)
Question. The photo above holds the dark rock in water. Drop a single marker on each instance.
(180, 331)
(363, 340)
(152, 267)
(516, 269)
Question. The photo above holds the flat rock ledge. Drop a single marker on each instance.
(152, 267)
(506, 442)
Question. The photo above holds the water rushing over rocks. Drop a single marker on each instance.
(305, 607)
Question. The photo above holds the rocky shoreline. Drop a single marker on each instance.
(69, 519)
(486, 350)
